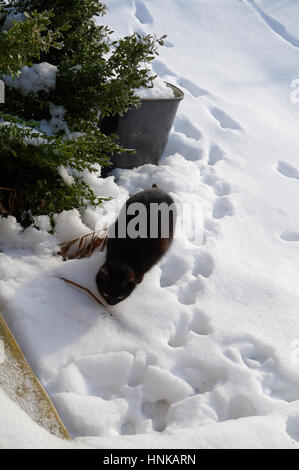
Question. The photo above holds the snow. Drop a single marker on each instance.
(56, 123)
(65, 175)
(158, 90)
(204, 353)
(39, 77)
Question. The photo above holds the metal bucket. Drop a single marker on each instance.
(145, 129)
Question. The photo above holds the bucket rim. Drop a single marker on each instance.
(179, 95)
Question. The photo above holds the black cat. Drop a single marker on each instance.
(128, 259)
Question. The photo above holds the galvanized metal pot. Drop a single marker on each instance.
(145, 129)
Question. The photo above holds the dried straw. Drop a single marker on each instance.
(87, 244)
(83, 288)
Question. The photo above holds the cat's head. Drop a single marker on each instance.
(116, 281)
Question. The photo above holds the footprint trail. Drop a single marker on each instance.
(142, 13)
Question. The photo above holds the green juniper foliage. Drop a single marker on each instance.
(95, 75)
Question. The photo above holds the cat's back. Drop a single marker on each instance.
(144, 229)
(145, 217)
(151, 196)
(153, 209)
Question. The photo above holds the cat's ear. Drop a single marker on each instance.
(104, 274)
(139, 278)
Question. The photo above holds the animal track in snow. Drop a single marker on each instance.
(168, 43)
(224, 120)
(176, 267)
(287, 170)
(222, 207)
(274, 25)
(246, 352)
(157, 413)
(210, 229)
(188, 148)
(191, 87)
(188, 291)
(220, 187)
(179, 336)
(161, 69)
(199, 324)
(136, 392)
(128, 428)
(142, 14)
(260, 360)
(172, 270)
(289, 236)
(215, 154)
(203, 265)
(185, 126)
(210, 225)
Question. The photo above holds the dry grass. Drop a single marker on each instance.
(86, 245)
(83, 288)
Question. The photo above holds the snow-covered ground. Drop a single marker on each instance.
(205, 352)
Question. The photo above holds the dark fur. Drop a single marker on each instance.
(129, 259)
